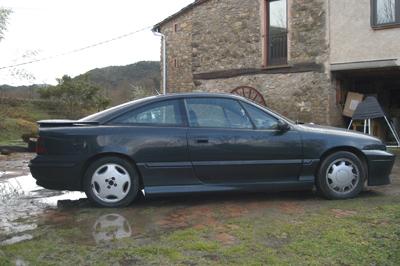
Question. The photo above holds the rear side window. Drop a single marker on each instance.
(261, 119)
(162, 113)
(217, 113)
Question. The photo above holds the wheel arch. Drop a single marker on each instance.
(114, 154)
(351, 149)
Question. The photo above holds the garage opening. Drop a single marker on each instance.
(384, 84)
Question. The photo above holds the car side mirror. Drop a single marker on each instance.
(283, 126)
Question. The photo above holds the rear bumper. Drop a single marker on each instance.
(57, 173)
(380, 164)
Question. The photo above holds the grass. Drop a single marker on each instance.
(19, 119)
(356, 232)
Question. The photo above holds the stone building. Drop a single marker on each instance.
(301, 55)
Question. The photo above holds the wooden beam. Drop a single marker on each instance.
(230, 73)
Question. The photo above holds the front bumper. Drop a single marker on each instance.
(57, 173)
(380, 164)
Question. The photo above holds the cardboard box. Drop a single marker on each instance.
(352, 101)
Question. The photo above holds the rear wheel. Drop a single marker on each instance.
(341, 176)
(111, 182)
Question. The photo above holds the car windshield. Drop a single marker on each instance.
(275, 113)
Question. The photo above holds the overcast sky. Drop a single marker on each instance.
(43, 28)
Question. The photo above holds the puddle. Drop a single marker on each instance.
(28, 211)
(111, 227)
(21, 201)
(9, 174)
(16, 239)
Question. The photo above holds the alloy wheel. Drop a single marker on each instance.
(111, 183)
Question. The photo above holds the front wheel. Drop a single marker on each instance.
(111, 182)
(341, 176)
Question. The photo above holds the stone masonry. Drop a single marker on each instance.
(179, 53)
(226, 35)
(219, 47)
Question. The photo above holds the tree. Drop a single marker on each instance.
(4, 14)
(76, 97)
(138, 91)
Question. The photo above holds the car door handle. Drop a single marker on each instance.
(202, 141)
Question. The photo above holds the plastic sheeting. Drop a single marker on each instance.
(368, 109)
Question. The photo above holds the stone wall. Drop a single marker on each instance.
(179, 53)
(299, 96)
(227, 35)
(308, 31)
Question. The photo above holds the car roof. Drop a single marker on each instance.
(198, 95)
(106, 115)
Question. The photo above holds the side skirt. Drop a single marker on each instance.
(267, 186)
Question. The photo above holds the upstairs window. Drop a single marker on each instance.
(385, 12)
(276, 32)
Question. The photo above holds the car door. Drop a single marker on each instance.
(155, 135)
(226, 146)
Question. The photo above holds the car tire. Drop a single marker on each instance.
(341, 176)
(111, 182)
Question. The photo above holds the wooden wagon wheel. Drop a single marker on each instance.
(250, 93)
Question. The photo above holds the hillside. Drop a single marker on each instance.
(144, 72)
(20, 91)
(126, 82)
(120, 82)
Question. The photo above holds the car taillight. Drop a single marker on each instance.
(40, 148)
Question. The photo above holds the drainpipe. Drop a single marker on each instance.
(164, 52)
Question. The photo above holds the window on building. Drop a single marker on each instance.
(175, 63)
(176, 27)
(385, 12)
(276, 32)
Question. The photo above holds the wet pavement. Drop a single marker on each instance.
(15, 164)
(26, 210)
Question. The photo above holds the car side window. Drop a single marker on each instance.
(217, 113)
(261, 119)
(161, 113)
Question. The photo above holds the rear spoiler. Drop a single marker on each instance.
(65, 123)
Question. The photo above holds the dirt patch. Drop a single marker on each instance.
(291, 207)
(198, 216)
(343, 213)
(225, 239)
